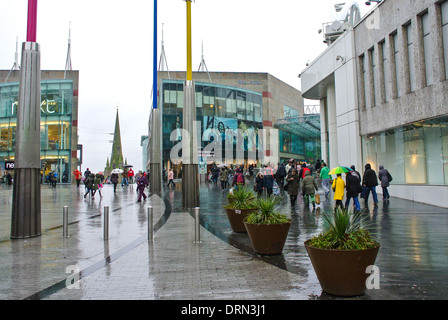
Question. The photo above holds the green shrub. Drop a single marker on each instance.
(266, 212)
(343, 230)
(241, 198)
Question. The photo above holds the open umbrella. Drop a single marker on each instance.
(339, 170)
(127, 166)
(117, 171)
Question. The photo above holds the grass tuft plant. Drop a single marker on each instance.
(266, 213)
(344, 230)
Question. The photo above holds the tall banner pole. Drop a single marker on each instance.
(190, 172)
(155, 125)
(26, 204)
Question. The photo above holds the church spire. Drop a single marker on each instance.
(116, 158)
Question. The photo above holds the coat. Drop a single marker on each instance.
(258, 183)
(353, 185)
(369, 178)
(224, 174)
(142, 183)
(324, 173)
(309, 184)
(114, 178)
(384, 177)
(293, 185)
(338, 187)
(90, 182)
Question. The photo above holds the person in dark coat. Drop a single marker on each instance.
(268, 180)
(384, 177)
(292, 181)
(370, 181)
(142, 183)
(114, 180)
(258, 186)
(90, 182)
(353, 187)
(281, 175)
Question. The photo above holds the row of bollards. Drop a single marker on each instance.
(197, 235)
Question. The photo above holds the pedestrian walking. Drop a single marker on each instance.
(97, 185)
(292, 181)
(353, 187)
(370, 181)
(124, 181)
(338, 187)
(77, 175)
(325, 177)
(238, 178)
(224, 176)
(142, 183)
(54, 179)
(385, 178)
(309, 186)
(171, 178)
(258, 185)
(114, 180)
(90, 181)
(268, 180)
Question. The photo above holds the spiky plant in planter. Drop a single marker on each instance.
(267, 228)
(241, 203)
(342, 252)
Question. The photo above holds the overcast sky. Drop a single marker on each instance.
(112, 47)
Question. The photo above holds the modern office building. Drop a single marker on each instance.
(234, 100)
(59, 121)
(382, 86)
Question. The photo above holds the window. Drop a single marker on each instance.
(372, 77)
(444, 18)
(363, 84)
(427, 52)
(410, 57)
(385, 85)
(396, 62)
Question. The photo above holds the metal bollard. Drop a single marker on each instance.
(150, 224)
(106, 223)
(197, 230)
(65, 222)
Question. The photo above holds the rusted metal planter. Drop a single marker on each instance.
(268, 239)
(342, 272)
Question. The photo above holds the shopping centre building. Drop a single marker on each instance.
(59, 121)
(382, 86)
(237, 100)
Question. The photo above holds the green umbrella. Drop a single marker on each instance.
(339, 170)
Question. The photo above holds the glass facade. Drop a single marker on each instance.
(56, 124)
(413, 154)
(217, 107)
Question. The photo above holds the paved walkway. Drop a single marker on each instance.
(172, 266)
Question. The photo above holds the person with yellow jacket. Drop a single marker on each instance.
(338, 187)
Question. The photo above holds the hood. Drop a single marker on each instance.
(307, 173)
(381, 167)
(367, 166)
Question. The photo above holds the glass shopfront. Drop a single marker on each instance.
(56, 125)
(413, 154)
(217, 107)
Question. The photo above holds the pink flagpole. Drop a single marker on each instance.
(32, 21)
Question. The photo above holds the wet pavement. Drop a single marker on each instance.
(413, 258)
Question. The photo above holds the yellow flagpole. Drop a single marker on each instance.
(189, 64)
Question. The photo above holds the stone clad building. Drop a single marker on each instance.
(382, 86)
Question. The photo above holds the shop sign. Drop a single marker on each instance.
(46, 106)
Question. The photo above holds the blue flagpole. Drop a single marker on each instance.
(154, 91)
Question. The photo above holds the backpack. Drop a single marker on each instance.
(240, 178)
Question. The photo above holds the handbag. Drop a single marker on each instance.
(286, 187)
(317, 198)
